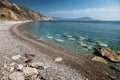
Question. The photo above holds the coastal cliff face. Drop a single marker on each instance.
(9, 11)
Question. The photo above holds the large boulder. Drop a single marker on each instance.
(111, 55)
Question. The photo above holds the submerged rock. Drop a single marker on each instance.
(71, 39)
(99, 59)
(49, 37)
(81, 38)
(82, 44)
(102, 44)
(118, 52)
(91, 43)
(58, 40)
(111, 55)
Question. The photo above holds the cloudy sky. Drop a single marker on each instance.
(97, 9)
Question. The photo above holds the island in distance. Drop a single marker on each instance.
(75, 19)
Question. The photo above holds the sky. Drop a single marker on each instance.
(97, 9)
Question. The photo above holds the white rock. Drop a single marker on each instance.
(28, 71)
(38, 65)
(4, 78)
(16, 57)
(12, 64)
(20, 67)
(17, 76)
(10, 69)
(58, 59)
(34, 65)
(43, 65)
(5, 65)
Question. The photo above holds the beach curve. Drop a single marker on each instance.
(77, 66)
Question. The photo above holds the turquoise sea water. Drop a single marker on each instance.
(78, 36)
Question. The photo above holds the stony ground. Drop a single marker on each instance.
(57, 63)
(11, 46)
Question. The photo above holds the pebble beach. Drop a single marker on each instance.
(58, 64)
(10, 46)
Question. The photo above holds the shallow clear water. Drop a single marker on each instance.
(78, 36)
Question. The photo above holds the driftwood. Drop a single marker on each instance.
(111, 55)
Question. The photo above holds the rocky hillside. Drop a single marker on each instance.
(9, 11)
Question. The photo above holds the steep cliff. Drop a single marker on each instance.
(9, 11)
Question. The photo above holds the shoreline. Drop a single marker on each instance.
(12, 45)
(82, 64)
(54, 46)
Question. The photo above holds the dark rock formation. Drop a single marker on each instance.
(9, 11)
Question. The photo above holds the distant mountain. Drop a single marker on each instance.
(85, 19)
(76, 19)
(10, 11)
(57, 18)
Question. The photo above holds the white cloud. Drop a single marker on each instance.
(111, 13)
(87, 10)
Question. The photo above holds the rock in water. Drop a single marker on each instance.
(102, 44)
(99, 59)
(16, 76)
(111, 55)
